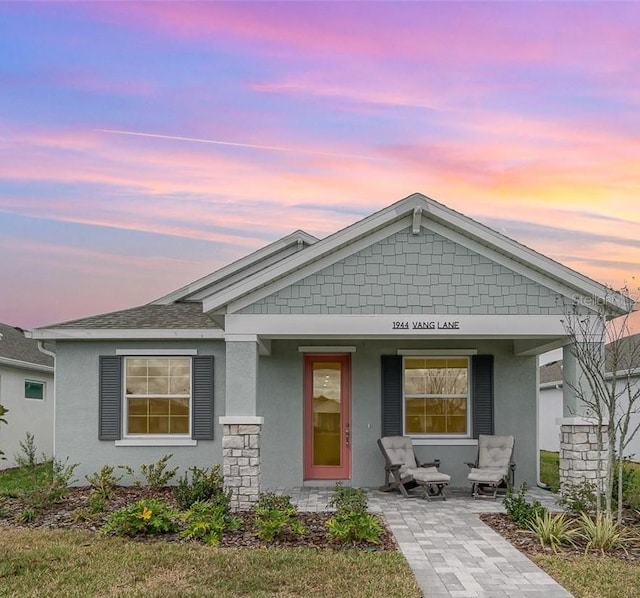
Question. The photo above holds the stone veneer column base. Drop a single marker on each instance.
(241, 459)
(579, 453)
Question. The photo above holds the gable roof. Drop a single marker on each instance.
(416, 211)
(241, 269)
(18, 350)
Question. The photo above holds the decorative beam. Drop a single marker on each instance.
(417, 220)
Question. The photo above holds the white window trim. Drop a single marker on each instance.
(155, 439)
(326, 349)
(436, 352)
(434, 439)
(445, 441)
(157, 352)
(44, 390)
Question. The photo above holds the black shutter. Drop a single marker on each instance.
(110, 398)
(482, 394)
(391, 367)
(202, 402)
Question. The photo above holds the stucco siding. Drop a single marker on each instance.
(280, 402)
(25, 415)
(77, 410)
(412, 274)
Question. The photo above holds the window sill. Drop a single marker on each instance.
(444, 441)
(156, 442)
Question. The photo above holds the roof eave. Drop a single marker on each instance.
(67, 334)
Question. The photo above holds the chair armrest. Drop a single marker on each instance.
(434, 463)
(512, 465)
(393, 467)
(469, 464)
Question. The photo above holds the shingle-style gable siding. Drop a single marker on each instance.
(412, 274)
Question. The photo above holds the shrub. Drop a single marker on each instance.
(156, 475)
(352, 522)
(274, 515)
(630, 485)
(603, 532)
(553, 530)
(349, 499)
(204, 485)
(147, 516)
(579, 498)
(208, 521)
(45, 482)
(103, 482)
(521, 511)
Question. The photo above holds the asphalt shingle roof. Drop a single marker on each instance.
(15, 345)
(175, 315)
(628, 357)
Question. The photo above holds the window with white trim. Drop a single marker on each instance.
(33, 389)
(157, 396)
(436, 396)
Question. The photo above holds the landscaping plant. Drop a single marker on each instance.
(579, 497)
(553, 530)
(208, 521)
(147, 516)
(44, 482)
(602, 532)
(202, 485)
(156, 475)
(521, 511)
(352, 522)
(274, 515)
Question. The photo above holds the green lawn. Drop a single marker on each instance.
(76, 563)
(549, 469)
(594, 576)
(14, 481)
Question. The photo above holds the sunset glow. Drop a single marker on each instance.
(145, 144)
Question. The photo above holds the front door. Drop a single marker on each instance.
(327, 417)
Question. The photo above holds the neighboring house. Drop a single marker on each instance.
(287, 365)
(551, 389)
(26, 390)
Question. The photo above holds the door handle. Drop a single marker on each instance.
(347, 434)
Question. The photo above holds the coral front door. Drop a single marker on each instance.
(327, 417)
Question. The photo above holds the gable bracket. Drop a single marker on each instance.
(417, 220)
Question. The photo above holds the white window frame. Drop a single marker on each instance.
(41, 383)
(154, 439)
(434, 355)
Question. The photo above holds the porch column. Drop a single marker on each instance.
(580, 457)
(241, 425)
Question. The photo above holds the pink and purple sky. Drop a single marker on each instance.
(262, 118)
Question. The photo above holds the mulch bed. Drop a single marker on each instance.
(527, 542)
(72, 512)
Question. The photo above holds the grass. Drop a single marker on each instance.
(550, 469)
(593, 577)
(77, 563)
(15, 481)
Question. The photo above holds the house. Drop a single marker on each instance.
(26, 390)
(287, 365)
(552, 386)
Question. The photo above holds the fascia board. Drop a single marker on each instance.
(25, 365)
(236, 300)
(237, 266)
(529, 257)
(53, 334)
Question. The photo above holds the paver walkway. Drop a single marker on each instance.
(451, 552)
